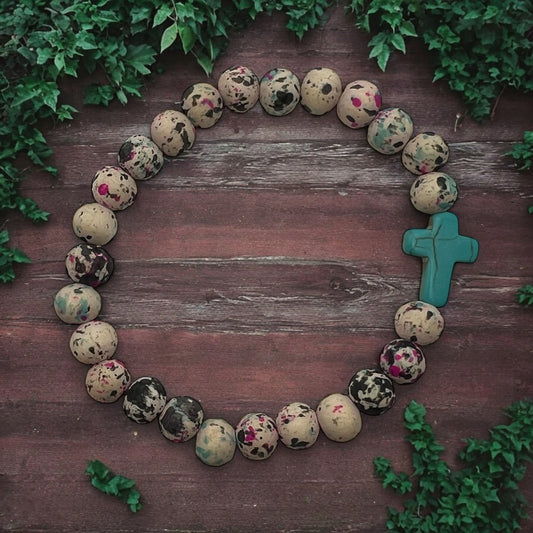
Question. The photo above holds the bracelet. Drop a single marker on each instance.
(370, 391)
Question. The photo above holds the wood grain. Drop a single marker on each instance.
(262, 267)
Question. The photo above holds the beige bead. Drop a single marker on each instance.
(339, 418)
(434, 192)
(425, 152)
(94, 223)
(76, 303)
(203, 105)
(172, 132)
(419, 322)
(320, 91)
(93, 342)
(239, 88)
(114, 188)
(358, 104)
(279, 92)
(107, 381)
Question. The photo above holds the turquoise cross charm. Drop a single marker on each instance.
(440, 246)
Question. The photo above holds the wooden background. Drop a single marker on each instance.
(261, 268)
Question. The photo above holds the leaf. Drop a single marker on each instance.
(188, 38)
(398, 42)
(162, 14)
(169, 36)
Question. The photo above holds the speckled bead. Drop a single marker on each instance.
(107, 381)
(257, 436)
(239, 88)
(390, 131)
(181, 418)
(172, 132)
(320, 90)
(425, 153)
(76, 303)
(419, 322)
(215, 442)
(93, 342)
(403, 361)
(203, 105)
(339, 418)
(140, 157)
(114, 188)
(297, 426)
(279, 92)
(144, 400)
(94, 223)
(371, 391)
(89, 264)
(435, 192)
(359, 104)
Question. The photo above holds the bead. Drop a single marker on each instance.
(419, 322)
(434, 192)
(114, 188)
(140, 157)
(94, 223)
(426, 152)
(339, 418)
(215, 442)
(371, 391)
(390, 130)
(358, 104)
(239, 88)
(257, 436)
(203, 105)
(297, 426)
(144, 400)
(320, 90)
(107, 381)
(403, 361)
(89, 264)
(76, 303)
(93, 342)
(181, 418)
(172, 132)
(440, 246)
(279, 91)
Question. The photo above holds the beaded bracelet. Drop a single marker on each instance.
(417, 323)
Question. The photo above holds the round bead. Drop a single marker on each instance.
(390, 130)
(203, 104)
(89, 264)
(76, 303)
(215, 442)
(297, 426)
(358, 104)
(257, 436)
(144, 400)
(181, 418)
(140, 157)
(93, 342)
(403, 361)
(425, 153)
(371, 391)
(106, 381)
(339, 418)
(320, 91)
(94, 223)
(419, 322)
(279, 91)
(434, 192)
(239, 88)
(172, 132)
(114, 188)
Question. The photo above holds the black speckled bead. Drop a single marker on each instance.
(371, 391)
(144, 400)
(89, 264)
(181, 418)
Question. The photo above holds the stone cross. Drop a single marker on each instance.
(440, 246)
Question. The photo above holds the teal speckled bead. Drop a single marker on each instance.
(215, 442)
(390, 130)
(76, 303)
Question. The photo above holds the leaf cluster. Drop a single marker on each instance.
(483, 496)
(522, 152)
(481, 47)
(122, 487)
(117, 43)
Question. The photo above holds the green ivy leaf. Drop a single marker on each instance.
(169, 36)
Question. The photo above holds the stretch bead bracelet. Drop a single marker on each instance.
(417, 323)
